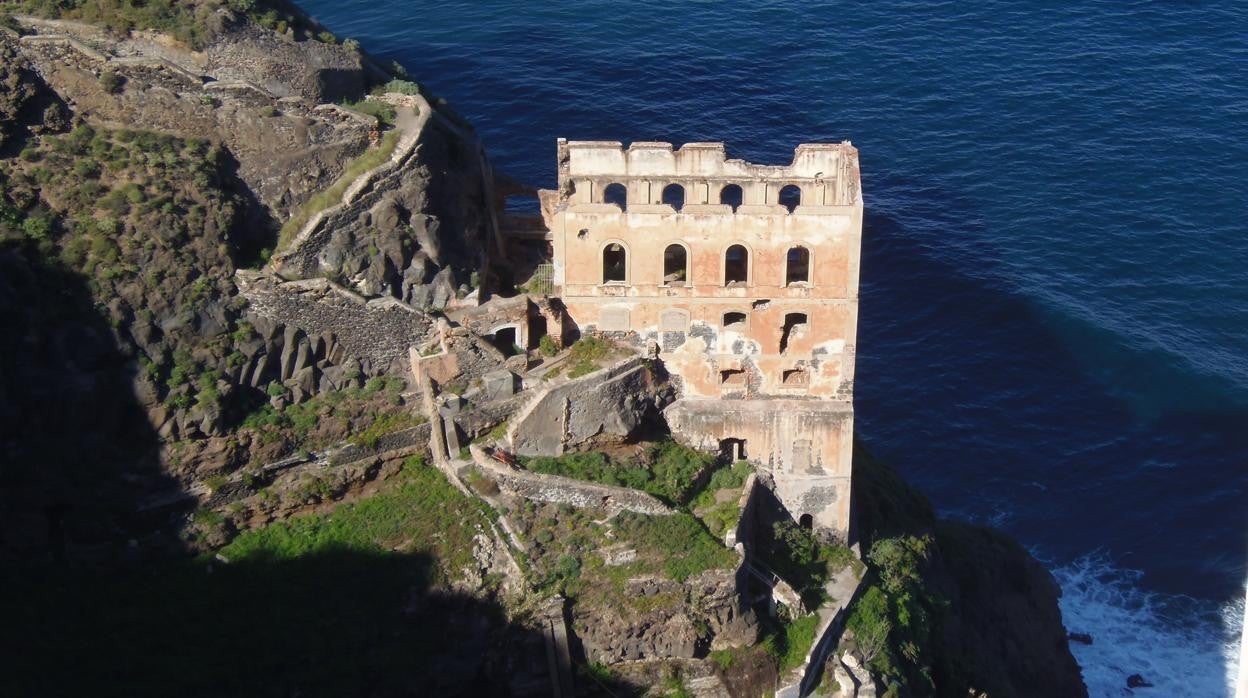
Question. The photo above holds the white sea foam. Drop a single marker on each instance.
(1182, 646)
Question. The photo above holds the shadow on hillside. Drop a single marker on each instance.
(78, 452)
(254, 235)
(333, 623)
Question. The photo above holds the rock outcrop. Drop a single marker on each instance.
(988, 616)
(689, 618)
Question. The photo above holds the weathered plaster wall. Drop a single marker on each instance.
(688, 317)
(806, 446)
(764, 352)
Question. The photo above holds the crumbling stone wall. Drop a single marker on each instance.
(288, 144)
(416, 228)
(609, 403)
(378, 332)
(544, 487)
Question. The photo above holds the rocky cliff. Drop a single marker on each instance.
(149, 155)
(950, 609)
(145, 158)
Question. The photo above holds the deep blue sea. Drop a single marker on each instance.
(1054, 305)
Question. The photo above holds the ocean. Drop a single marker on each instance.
(1054, 306)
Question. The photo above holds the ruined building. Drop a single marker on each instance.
(745, 279)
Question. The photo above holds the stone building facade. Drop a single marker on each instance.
(746, 279)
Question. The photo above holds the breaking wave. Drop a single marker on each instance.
(1183, 646)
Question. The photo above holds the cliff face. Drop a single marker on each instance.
(138, 174)
(952, 609)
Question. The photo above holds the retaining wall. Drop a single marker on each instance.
(563, 490)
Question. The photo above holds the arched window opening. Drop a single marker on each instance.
(614, 264)
(794, 327)
(797, 268)
(736, 265)
(674, 196)
(732, 195)
(734, 320)
(791, 197)
(806, 521)
(505, 340)
(675, 265)
(616, 194)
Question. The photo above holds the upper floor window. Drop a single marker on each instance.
(736, 265)
(614, 263)
(616, 194)
(731, 195)
(790, 197)
(797, 266)
(674, 196)
(675, 265)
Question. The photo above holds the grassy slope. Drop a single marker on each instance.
(322, 605)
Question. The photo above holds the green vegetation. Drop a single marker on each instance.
(790, 643)
(309, 607)
(498, 433)
(588, 354)
(403, 87)
(547, 346)
(332, 195)
(424, 513)
(111, 81)
(666, 469)
(149, 219)
(386, 424)
(717, 503)
(384, 112)
(869, 622)
(185, 20)
(802, 560)
(685, 546)
(567, 555)
(893, 618)
(331, 417)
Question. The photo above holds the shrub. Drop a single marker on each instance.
(382, 111)
(676, 469)
(111, 81)
(215, 483)
(37, 228)
(547, 345)
(403, 87)
(870, 623)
